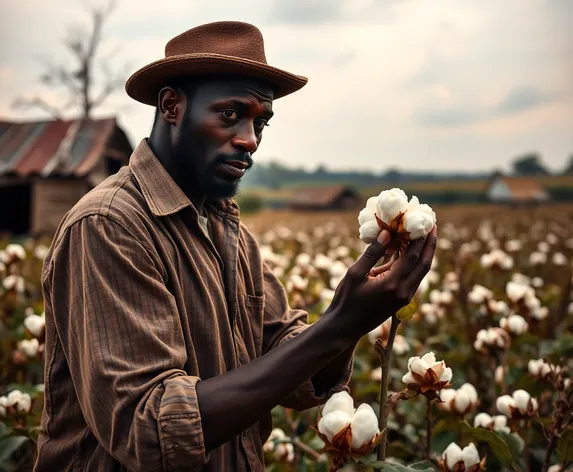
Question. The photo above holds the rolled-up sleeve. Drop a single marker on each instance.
(282, 323)
(120, 331)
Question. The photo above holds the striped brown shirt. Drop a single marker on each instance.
(140, 306)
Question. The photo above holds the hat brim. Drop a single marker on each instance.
(145, 84)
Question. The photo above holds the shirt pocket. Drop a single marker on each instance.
(250, 326)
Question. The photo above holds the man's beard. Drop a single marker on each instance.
(202, 181)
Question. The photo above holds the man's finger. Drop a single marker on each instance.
(373, 254)
(410, 259)
(426, 257)
(383, 268)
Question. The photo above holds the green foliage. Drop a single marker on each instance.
(424, 466)
(530, 164)
(498, 446)
(250, 203)
(565, 447)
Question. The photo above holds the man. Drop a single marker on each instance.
(168, 339)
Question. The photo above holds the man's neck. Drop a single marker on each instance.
(164, 154)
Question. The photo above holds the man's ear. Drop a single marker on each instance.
(171, 105)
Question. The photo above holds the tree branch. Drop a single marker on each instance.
(37, 102)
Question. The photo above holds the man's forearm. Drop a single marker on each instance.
(231, 402)
(331, 373)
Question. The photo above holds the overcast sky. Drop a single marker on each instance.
(409, 84)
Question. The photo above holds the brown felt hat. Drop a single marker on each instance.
(224, 47)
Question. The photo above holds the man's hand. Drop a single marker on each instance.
(368, 295)
(231, 402)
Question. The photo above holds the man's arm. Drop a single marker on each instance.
(231, 402)
(331, 373)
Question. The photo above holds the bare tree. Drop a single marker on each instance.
(79, 79)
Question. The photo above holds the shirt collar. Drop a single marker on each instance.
(161, 193)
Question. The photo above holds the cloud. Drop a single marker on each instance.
(305, 11)
(448, 85)
(517, 100)
(524, 98)
(448, 117)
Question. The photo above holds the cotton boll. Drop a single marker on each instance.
(35, 324)
(504, 405)
(500, 424)
(419, 366)
(367, 214)
(276, 433)
(447, 395)
(559, 259)
(483, 420)
(15, 251)
(447, 375)
(452, 455)
(369, 231)
(332, 423)
(470, 455)
(419, 221)
(339, 401)
(391, 203)
(470, 391)
(521, 399)
(514, 324)
(364, 426)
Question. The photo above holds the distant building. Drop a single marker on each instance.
(516, 190)
(47, 166)
(325, 198)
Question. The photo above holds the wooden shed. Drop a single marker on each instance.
(325, 198)
(516, 190)
(47, 166)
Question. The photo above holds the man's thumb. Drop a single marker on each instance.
(373, 253)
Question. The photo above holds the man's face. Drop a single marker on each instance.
(221, 128)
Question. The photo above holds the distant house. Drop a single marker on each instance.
(515, 190)
(325, 198)
(47, 166)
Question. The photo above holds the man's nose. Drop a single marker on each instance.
(246, 139)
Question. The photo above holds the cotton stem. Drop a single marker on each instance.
(429, 429)
(385, 353)
(311, 452)
(526, 453)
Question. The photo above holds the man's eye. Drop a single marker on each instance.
(230, 114)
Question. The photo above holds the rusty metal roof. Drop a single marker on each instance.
(55, 147)
(319, 195)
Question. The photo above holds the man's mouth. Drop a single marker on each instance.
(233, 169)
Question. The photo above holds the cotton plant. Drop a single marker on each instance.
(16, 403)
(406, 221)
(543, 370)
(496, 423)
(519, 405)
(348, 432)
(461, 401)
(456, 459)
(279, 446)
(514, 325)
(492, 340)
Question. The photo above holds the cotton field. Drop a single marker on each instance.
(479, 377)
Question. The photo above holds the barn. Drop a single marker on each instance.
(516, 190)
(47, 166)
(325, 198)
